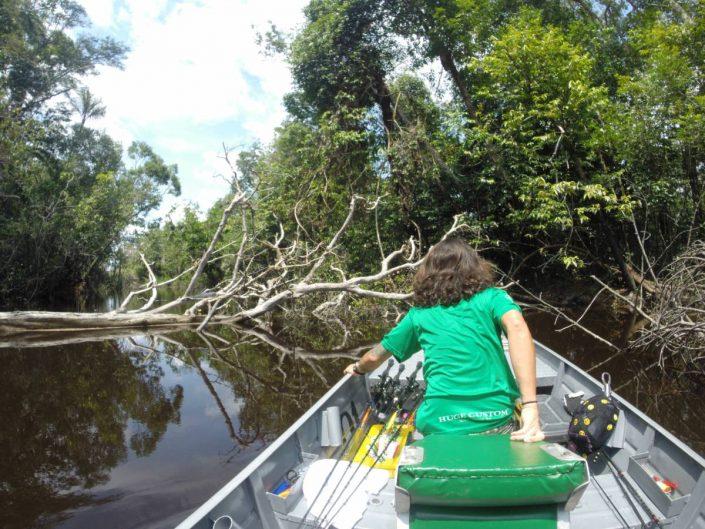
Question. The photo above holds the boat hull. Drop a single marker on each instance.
(646, 449)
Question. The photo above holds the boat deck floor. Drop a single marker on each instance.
(640, 448)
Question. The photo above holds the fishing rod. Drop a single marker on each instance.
(395, 402)
(399, 394)
(353, 431)
(622, 481)
(395, 383)
(384, 381)
(409, 420)
(392, 438)
(332, 500)
(411, 384)
(352, 457)
(372, 403)
(608, 499)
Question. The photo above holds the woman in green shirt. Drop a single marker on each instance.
(457, 319)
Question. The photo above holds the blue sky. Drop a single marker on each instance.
(193, 79)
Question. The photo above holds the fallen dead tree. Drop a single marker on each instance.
(24, 322)
(265, 275)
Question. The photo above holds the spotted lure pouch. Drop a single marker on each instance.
(594, 421)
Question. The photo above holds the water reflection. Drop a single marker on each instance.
(65, 417)
(137, 431)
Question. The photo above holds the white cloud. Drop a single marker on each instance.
(194, 77)
(193, 64)
(206, 185)
(99, 11)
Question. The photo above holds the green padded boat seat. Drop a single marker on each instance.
(455, 470)
(531, 517)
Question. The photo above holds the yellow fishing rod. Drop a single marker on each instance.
(357, 436)
(392, 403)
(353, 433)
(408, 422)
(330, 505)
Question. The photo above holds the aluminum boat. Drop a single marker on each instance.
(642, 453)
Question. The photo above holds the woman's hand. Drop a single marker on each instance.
(370, 361)
(530, 431)
(350, 370)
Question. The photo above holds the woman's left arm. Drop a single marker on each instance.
(370, 361)
(523, 357)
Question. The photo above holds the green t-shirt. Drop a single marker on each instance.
(464, 359)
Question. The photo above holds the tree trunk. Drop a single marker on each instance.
(617, 252)
(384, 100)
(18, 323)
(449, 66)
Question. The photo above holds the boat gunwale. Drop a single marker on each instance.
(633, 409)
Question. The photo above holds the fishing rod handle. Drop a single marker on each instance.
(390, 387)
(411, 382)
(400, 370)
(390, 402)
(341, 454)
(385, 373)
(328, 507)
(332, 502)
(385, 378)
(418, 367)
(392, 437)
(393, 383)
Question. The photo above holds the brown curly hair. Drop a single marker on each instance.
(451, 271)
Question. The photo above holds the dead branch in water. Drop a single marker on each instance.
(270, 274)
(677, 314)
(542, 304)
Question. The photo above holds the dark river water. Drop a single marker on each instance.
(135, 432)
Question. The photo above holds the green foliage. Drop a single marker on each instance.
(172, 247)
(543, 114)
(66, 195)
(338, 51)
(40, 59)
(658, 128)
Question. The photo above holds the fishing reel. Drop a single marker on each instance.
(396, 393)
(378, 391)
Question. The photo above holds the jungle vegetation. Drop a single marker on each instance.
(568, 135)
(67, 191)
